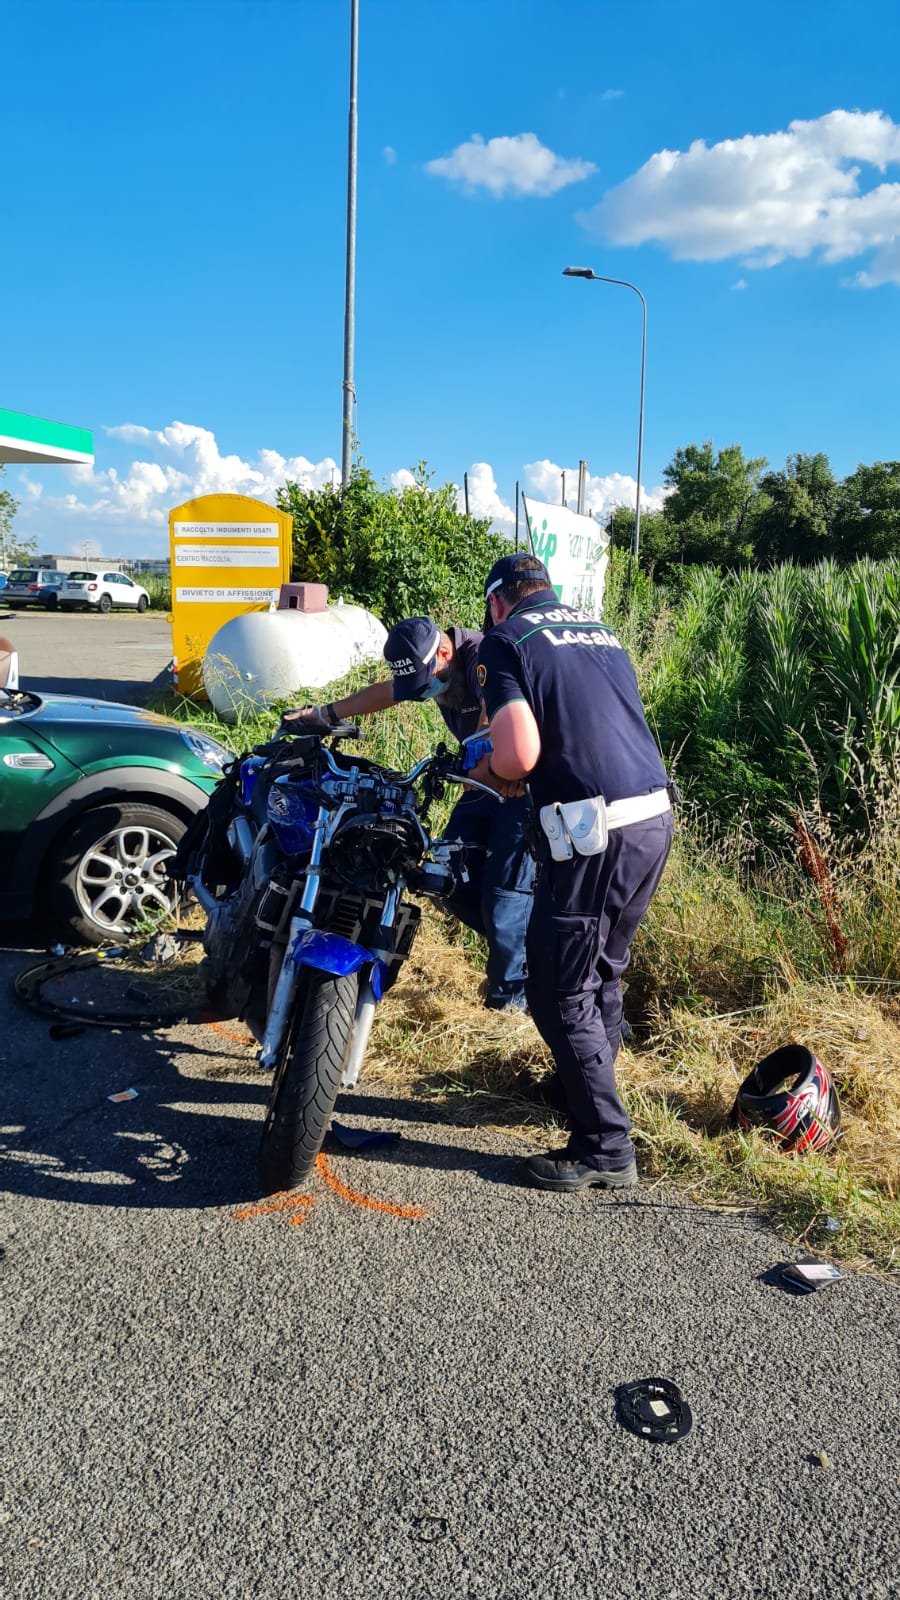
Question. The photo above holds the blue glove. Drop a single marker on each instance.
(474, 749)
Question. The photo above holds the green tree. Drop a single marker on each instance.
(796, 516)
(660, 544)
(400, 552)
(713, 502)
(867, 518)
(8, 508)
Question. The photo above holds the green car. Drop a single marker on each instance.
(94, 798)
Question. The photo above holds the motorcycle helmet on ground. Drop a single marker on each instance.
(790, 1094)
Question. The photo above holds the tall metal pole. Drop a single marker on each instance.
(350, 294)
(586, 272)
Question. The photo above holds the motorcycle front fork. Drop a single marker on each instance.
(289, 976)
(282, 1000)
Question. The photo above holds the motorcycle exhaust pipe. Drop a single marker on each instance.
(362, 1027)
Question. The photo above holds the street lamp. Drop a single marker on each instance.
(587, 272)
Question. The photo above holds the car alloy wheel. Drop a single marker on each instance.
(109, 876)
(122, 878)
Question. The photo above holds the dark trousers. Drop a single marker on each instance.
(586, 913)
(497, 900)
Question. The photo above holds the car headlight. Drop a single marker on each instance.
(209, 751)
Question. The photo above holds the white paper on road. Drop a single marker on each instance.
(226, 555)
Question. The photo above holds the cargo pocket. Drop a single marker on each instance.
(574, 953)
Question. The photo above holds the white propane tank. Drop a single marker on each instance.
(264, 656)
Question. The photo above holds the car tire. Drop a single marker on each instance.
(82, 890)
(142, 604)
(52, 602)
(104, 604)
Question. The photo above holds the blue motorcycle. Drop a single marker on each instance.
(303, 862)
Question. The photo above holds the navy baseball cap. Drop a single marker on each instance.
(521, 568)
(409, 650)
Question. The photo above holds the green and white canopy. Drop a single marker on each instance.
(31, 439)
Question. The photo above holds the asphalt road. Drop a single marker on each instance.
(115, 657)
(207, 1397)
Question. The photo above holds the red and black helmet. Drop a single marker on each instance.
(790, 1094)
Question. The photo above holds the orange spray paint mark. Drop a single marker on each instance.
(287, 1201)
(227, 1033)
(354, 1197)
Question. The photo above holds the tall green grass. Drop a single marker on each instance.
(774, 692)
(159, 587)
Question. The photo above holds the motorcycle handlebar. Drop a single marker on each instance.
(352, 731)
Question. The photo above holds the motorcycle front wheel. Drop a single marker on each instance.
(306, 1082)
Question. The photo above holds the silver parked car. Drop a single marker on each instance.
(30, 586)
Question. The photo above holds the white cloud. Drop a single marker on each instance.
(403, 479)
(885, 267)
(543, 479)
(768, 197)
(741, 284)
(180, 462)
(612, 94)
(390, 155)
(519, 165)
(484, 497)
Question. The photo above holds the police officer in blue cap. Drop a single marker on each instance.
(567, 717)
(427, 663)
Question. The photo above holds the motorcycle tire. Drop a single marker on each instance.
(307, 1080)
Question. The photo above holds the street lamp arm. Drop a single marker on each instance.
(596, 277)
(623, 283)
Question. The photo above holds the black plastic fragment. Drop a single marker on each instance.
(654, 1409)
(67, 1030)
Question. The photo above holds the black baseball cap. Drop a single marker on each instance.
(409, 650)
(521, 568)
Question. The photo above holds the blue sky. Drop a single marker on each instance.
(174, 218)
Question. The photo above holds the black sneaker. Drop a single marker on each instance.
(555, 1171)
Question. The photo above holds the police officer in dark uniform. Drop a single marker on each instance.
(428, 662)
(566, 715)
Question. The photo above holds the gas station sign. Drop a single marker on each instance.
(229, 554)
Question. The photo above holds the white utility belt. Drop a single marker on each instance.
(582, 826)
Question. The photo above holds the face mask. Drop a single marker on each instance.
(436, 687)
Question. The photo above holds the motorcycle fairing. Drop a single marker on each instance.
(331, 952)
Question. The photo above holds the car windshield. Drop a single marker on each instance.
(24, 575)
(81, 577)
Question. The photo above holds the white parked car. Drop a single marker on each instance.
(103, 590)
